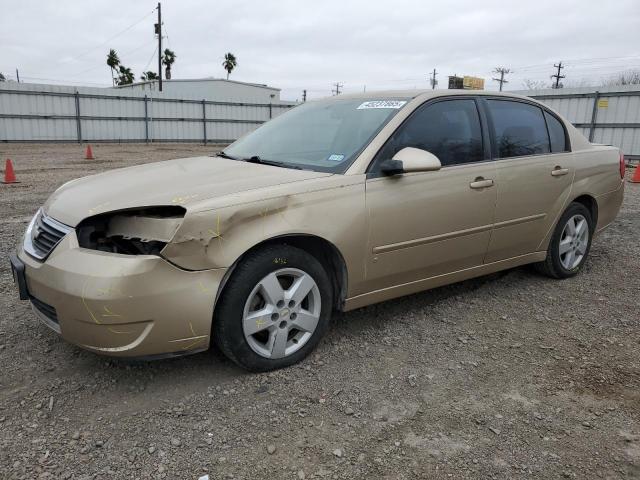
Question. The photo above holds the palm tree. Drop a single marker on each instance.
(168, 59)
(146, 76)
(125, 76)
(113, 61)
(229, 63)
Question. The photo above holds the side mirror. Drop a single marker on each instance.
(409, 160)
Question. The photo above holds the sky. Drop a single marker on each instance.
(296, 45)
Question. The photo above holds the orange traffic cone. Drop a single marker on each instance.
(89, 153)
(9, 174)
(636, 175)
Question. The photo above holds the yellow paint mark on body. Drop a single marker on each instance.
(183, 199)
(193, 344)
(84, 302)
(109, 313)
(216, 233)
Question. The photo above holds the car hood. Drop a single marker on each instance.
(173, 182)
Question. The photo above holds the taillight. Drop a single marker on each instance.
(622, 165)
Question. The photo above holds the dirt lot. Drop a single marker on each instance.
(507, 376)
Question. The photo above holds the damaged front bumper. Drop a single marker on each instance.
(122, 305)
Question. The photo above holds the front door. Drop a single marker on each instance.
(430, 223)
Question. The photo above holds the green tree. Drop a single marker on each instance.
(168, 59)
(125, 76)
(114, 62)
(229, 63)
(2, 78)
(146, 76)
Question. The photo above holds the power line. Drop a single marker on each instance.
(557, 76)
(338, 86)
(129, 52)
(113, 37)
(150, 59)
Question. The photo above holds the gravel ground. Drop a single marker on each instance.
(507, 376)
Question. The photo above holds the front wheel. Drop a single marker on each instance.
(570, 243)
(275, 308)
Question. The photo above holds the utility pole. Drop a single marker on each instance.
(159, 33)
(338, 86)
(433, 80)
(502, 71)
(304, 95)
(557, 76)
(17, 75)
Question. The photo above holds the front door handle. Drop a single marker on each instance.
(559, 171)
(481, 182)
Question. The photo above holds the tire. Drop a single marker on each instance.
(559, 264)
(252, 324)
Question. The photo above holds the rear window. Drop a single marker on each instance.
(519, 129)
(557, 134)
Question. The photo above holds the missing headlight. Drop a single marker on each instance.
(131, 232)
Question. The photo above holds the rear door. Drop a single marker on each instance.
(534, 175)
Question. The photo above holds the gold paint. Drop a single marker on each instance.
(98, 207)
(116, 331)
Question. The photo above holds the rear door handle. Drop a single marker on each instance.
(559, 171)
(480, 182)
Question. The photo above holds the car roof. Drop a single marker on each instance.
(424, 94)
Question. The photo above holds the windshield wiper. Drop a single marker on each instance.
(224, 155)
(263, 161)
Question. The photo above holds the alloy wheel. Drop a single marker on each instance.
(281, 313)
(574, 241)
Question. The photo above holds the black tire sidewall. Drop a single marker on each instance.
(554, 248)
(228, 331)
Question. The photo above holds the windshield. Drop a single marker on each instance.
(323, 136)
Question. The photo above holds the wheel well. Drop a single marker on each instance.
(324, 251)
(591, 204)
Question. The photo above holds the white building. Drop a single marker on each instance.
(211, 89)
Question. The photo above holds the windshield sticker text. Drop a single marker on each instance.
(335, 157)
(395, 104)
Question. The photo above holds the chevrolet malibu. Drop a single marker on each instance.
(337, 204)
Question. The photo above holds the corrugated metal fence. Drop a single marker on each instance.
(100, 115)
(609, 115)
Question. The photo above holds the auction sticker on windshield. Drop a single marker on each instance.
(395, 104)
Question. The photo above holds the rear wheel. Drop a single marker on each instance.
(570, 243)
(275, 308)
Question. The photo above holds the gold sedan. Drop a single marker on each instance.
(337, 204)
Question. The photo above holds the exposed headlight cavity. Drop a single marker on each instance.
(131, 232)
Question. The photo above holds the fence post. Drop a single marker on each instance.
(78, 125)
(594, 115)
(146, 118)
(204, 120)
